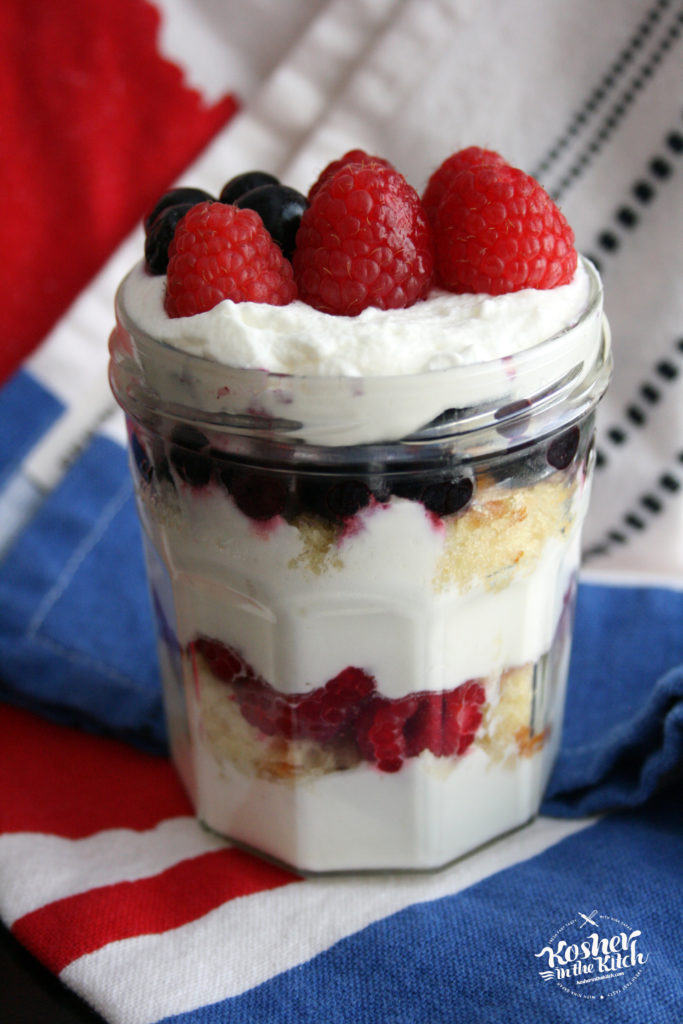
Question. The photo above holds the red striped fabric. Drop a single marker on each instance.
(62, 931)
(64, 782)
(95, 125)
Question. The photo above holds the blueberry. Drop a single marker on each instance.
(259, 496)
(280, 208)
(442, 496)
(562, 450)
(410, 488)
(447, 496)
(189, 436)
(162, 467)
(513, 412)
(160, 236)
(346, 497)
(244, 183)
(176, 197)
(332, 500)
(522, 466)
(189, 455)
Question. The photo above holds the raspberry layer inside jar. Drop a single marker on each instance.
(347, 713)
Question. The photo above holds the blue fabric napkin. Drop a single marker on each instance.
(77, 636)
(76, 628)
(623, 733)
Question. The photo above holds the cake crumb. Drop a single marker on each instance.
(505, 720)
(319, 540)
(502, 533)
(232, 740)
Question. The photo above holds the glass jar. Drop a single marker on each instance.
(364, 589)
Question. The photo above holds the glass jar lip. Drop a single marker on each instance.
(153, 378)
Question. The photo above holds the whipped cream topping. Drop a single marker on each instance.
(443, 331)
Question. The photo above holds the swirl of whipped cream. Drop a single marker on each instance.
(443, 331)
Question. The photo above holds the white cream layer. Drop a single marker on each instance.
(375, 604)
(445, 330)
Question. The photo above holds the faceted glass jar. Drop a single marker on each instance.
(364, 589)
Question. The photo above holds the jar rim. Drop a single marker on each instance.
(152, 378)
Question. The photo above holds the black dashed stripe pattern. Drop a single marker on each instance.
(669, 484)
(636, 414)
(645, 189)
(606, 85)
(616, 112)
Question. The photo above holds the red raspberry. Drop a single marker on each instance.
(496, 230)
(221, 252)
(462, 714)
(438, 184)
(446, 723)
(224, 662)
(265, 708)
(321, 715)
(364, 241)
(325, 713)
(380, 731)
(354, 156)
(386, 731)
(425, 729)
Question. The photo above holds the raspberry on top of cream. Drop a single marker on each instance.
(363, 277)
(362, 238)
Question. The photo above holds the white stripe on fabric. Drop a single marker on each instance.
(416, 36)
(76, 349)
(44, 868)
(222, 51)
(297, 97)
(637, 578)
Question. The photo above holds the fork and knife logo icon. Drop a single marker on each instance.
(589, 919)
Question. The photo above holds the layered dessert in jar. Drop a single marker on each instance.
(361, 432)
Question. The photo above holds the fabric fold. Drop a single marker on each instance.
(76, 630)
(629, 764)
(623, 733)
